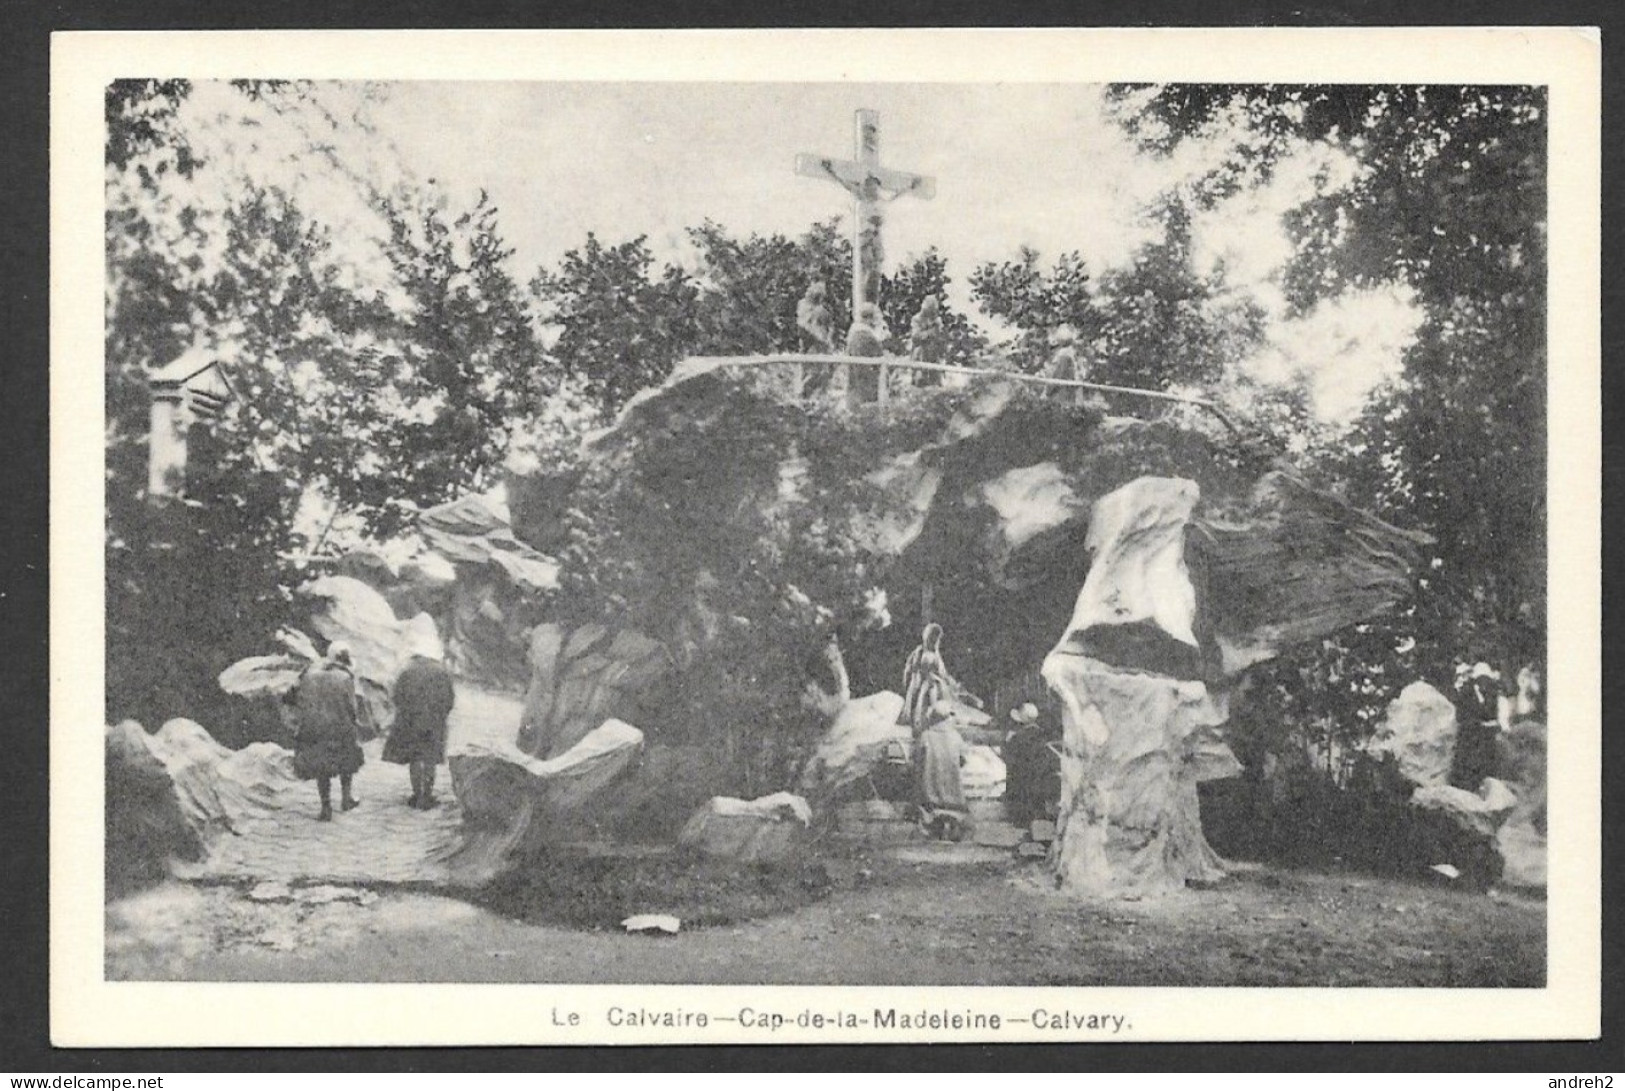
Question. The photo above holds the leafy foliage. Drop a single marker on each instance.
(620, 328)
(1450, 201)
(368, 396)
(1154, 324)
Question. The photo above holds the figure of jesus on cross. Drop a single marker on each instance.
(870, 185)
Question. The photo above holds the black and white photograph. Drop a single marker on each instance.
(969, 547)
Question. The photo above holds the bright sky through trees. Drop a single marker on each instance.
(1032, 165)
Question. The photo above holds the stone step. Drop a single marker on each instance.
(998, 834)
(989, 810)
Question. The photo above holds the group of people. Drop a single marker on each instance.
(326, 713)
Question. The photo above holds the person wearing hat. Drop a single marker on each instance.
(417, 740)
(1032, 760)
(1478, 705)
(326, 721)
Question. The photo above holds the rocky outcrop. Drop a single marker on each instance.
(171, 796)
(1294, 565)
(1143, 666)
(758, 831)
(978, 507)
(145, 825)
(1138, 721)
(1419, 733)
(514, 804)
(582, 677)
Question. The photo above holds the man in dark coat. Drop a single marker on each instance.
(1032, 761)
(423, 700)
(326, 719)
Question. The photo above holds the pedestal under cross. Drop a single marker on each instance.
(870, 185)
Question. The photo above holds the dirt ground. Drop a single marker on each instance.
(889, 919)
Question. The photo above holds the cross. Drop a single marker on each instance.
(869, 184)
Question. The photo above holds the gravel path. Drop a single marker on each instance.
(381, 841)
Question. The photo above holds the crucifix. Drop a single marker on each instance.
(870, 185)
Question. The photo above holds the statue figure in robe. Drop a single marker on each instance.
(813, 320)
(867, 335)
(927, 341)
(866, 338)
(1063, 361)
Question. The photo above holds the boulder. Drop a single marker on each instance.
(514, 804)
(1521, 840)
(1521, 844)
(145, 825)
(1480, 812)
(1295, 564)
(580, 678)
(263, 675)
(1419, 732)
(859, 737)
(1137, 608)
(765, 830)
(192, 758)
(1134, 748)
(359, 615)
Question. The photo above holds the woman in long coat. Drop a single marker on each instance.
(326, 719)
(423, 700)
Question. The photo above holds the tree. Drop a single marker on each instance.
(619, 328)
(1154, 324)
(1036, 303)
(1447, 199)
(901, 295)
(1450, 200)
(748, 288)
(462, 369)
(375, 374)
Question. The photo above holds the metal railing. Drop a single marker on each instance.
(886, 364)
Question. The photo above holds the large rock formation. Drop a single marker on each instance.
(718, 511)
(514, 804)
(1143, 667)
(1137, 716)
(582, 677)
(1419, 733)
(173, 794)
